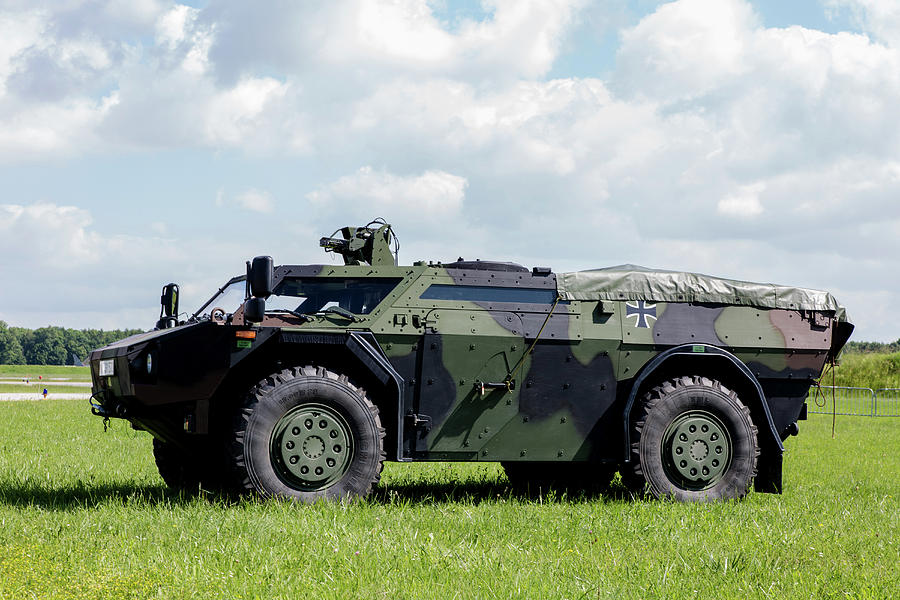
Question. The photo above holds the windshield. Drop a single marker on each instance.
(313, 294)
(229, 297)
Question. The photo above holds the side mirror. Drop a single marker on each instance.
(168, 312)
(169, 300)
(262, 273)
(254, 310)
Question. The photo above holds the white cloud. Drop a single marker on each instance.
(233, 115)
(172, 27)
(47, 130)
(881, 18)
(49, 232)
(687, 47)
(64, 264)
(256, 201)
(716, 143)
(17, 32)
(368, 37)
(195, 85)
(433, 195)
(743, 204)
(253, 200)
(404, 30)
(65, 271)
(185, 43)
(137, 12)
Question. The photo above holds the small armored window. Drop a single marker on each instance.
(479, 293)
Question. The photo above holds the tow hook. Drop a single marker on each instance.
(100, 406)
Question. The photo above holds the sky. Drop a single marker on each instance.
(147, 141)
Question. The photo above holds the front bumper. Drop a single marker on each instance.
(166, 378)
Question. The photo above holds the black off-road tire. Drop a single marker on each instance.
(308, 433)
(692, 440)
(192, 470)
(571, 477)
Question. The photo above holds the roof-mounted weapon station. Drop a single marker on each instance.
(374, 244)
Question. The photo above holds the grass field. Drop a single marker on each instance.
(39, 387)
(868, 370)
(83, 514)
(55, 379)
(47, 371)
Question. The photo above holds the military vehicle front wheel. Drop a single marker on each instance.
(693, 439)
(308, 433)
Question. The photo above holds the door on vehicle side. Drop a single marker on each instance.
(476, 340)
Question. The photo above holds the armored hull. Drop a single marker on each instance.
(687, 384)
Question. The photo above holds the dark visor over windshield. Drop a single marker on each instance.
(313, 294)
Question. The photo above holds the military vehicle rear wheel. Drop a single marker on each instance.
(562, 476)
(692, 439)
(308, 433)
(190, 471)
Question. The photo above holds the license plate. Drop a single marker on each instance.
(107, 367)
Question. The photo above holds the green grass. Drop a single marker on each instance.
(38, 387)
(867, 370)
(11, 379)
(33, 371)
(83, 514)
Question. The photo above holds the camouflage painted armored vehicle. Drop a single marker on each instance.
(300, 380)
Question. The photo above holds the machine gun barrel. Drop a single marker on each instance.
(334, 244)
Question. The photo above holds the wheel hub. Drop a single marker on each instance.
(696, 450)
(311, 447)
(699, 450)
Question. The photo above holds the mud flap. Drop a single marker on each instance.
(768, 476)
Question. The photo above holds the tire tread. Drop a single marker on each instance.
(634, 476)
(264, 389)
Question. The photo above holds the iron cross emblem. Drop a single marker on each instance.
(641, 311)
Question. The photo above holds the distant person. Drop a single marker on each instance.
(45, 393)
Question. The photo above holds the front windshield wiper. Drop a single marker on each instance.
(304, 316)
(308, 317)
(343, 312)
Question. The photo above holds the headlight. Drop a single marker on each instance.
(107, 367)
(149, 364)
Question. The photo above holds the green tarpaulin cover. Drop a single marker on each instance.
(631, 282)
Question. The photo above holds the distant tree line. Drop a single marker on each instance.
(53, 345)
(872, 347)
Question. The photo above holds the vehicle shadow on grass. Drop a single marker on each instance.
(84, 495)
(426, 492)
(47, 496)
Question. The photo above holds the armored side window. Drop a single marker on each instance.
(479, 293)
(309, 295)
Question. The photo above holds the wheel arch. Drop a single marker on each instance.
(355, 354)
(719, 364)
(307, 433)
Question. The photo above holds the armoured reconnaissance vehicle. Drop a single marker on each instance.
(300, 380)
